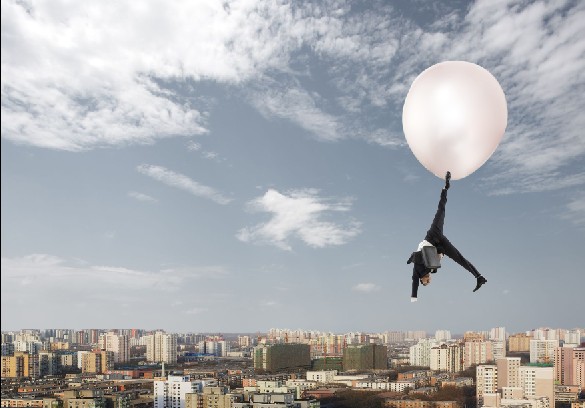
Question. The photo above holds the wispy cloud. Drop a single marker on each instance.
(91, 287)
(299, 214)
(44, 271)
(297, 105)
(182, 182)
(576, 210)
(142, 197)
(366, 287)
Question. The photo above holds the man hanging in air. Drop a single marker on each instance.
(437, 243)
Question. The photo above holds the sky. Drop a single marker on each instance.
(236, 166)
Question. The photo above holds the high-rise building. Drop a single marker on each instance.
(538, 382)
(276, 357)
(212, 397)
(365, 357)
(116, 343)
(442, 335)
(569, 365)
(447, 357)
(473, 336)
(498, 349)
(543, 351)
(519, 343)
(244, 341)
(572, 337)
(508, 372)
(16, 366)
(171, 392)
(49, 363)
(477, 352)
(394, 336)
(508, 380)
(498, 334)
(544, 333)
(97, 362)
(161, 347)
(420, 353)
(486, 382)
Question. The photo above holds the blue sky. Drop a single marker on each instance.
(238, 166)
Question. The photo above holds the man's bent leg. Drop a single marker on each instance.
(455, 255)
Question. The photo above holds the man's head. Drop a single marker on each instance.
(425, 280)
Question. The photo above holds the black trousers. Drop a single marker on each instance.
(436, 237)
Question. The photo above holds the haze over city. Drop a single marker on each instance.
(238, 166)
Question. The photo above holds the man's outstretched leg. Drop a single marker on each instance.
(455, 255)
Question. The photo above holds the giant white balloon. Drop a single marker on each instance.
(454, 117)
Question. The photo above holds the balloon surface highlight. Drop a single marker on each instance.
(454, 117)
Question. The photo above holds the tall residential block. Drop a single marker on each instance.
(420, 353)
(172, 391)
(519, 343)
(543, 351)
(538, 382)
(161, 347)
(97, 362)
(508, 372)
(16, 366)
(508, 381)
(447, 357)
(569, 365)
(276, 357)
(116, 343)
(486, 382)
(365, 357)
(477, 352)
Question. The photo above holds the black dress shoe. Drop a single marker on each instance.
(480, 281)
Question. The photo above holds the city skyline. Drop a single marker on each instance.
(241, 165)
(429, 334)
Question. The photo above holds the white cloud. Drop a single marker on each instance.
(366, 287)
(182, 182)
(142, 197)
(79, 76)
(299, 106)
(298, 215)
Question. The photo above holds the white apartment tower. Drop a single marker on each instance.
(543, 351)
(487, 382)
(420, 353)
(508, 380)
(538, 382)
(171, 393)
(161, 347)
(573, 337)
(447, 357)
(498, 334)
(442, 335)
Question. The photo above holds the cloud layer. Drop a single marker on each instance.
(298, 214)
